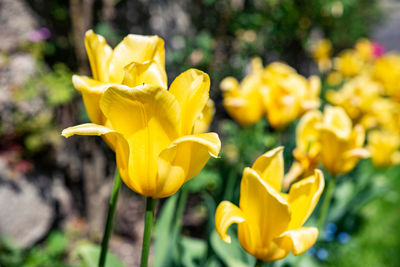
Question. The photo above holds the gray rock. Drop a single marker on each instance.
(25, 217)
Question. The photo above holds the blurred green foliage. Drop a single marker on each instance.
(49, 254)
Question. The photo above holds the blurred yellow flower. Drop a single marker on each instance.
(270, 223)
(322, 54)
(204, 120)
(365, 49)
(307, 148)
(334, 78)
(356, 96)
(383, 146)
(243, 101)
(341, 144)
(384, 113)
(349, 63)
(387, 71)
(135, 60)
(151, 129)
(287, 95)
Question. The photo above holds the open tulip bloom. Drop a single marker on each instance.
(270, 223)
(155, 132)
(151, 129)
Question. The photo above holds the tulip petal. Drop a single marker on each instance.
(226, 215)
(203, 122)
(91, 90)
(148, 118)
(99, 53)
(297, 240)
(295, 171)
(148, 72)
(306, 132)
(270, 167)
(120, 145)
(183, 160)
(191, 90)
(303, 197)
(337, 121)
(136, 48)
(263, 207)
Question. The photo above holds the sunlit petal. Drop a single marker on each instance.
(184, 159)
(148, 118)
(91, 90)
(303, 197)
(226, 215)
(135, 48)
(269, 167)
(297, 240)
(191, 91)
(99, 53)
(261, 202)
(119, 143)
(149, 72)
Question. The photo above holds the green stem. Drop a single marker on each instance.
(180, 210)
(230, 184)
(112, 204)
(260, 263)
(148, 226)
(326, 202)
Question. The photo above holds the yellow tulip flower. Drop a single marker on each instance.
(270, 223)
(386, 113)
(151, 129)
(365, 49)
(341, 144)
(349, 63)
(322, 54)
(307, 148)
(383, 146)
(243, 101)
(356, 96)
(387, 72)
(287, 95)
(134, 54)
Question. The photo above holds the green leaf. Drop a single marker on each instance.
(89, 255)
(231, 254)
(164, 240)
(193, 251)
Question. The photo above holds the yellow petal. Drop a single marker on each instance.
(297, 240)
(229, 84)
(148, 72)
(306, 132)
(92, 91)
(336, 120)
(226, 215)
(99, 53)
(183, 160)
(267, 213)
(203, 122)
(119, 143)
(191, 90)
(148, 118)
(295, 171)
(269, 167)
(303, 197)
(136, 48)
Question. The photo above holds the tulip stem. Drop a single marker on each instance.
(112, 204)
(326, 202)
(148, 226)
(260, 263)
